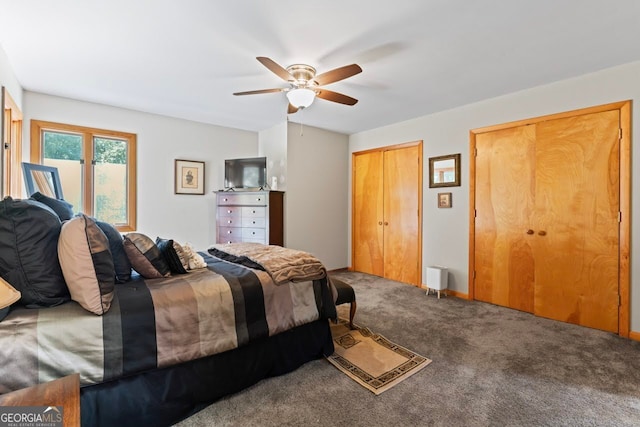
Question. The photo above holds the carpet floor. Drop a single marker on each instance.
(491, 366)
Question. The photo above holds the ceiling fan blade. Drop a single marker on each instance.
(337, 74)
(255, 92)
(291, 109)
(278, 70)
(335, 97)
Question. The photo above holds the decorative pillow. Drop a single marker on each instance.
(29, 233)
(8, 295)
(195, 259)
(62, 208)
(173, 254)
(116, 246)
(83, 250)
(145, 257)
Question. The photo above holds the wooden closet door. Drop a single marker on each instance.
(367, 242)
(401, 214)
(577, 211)
(504, 200)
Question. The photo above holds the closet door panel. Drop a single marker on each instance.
(577, 205)
(401, 214)
(368, 213)
(504, 199)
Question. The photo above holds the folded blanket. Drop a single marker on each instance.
(282, 264)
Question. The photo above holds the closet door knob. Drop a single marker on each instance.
(386, 223)
(379, 222)
(542, 233)
(529, 231)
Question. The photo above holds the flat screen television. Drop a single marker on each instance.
(245, 173)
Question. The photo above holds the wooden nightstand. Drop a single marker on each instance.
(63, 392)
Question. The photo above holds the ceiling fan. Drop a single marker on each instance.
(304, 84)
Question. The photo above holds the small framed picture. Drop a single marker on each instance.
(444, 200)
(189, 177)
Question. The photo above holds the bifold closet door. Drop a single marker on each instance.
(504, 253)
(577, 219)
(368, 215)
(547, 218)
(401, 214)
(386, 213)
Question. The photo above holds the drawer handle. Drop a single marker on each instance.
(253, 232)
(225, 199)
(229, 232)
(258, 199)
(253, 222)
(253, 211)
(229, 211)
(229, 222)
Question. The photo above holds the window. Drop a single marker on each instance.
(97, 169)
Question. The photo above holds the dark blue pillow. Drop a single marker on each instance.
(62, 208)
(116, 246)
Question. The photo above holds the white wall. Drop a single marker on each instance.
(9, 80)
(272, 144)
(445, 231)
(160, 140)
(317, 191)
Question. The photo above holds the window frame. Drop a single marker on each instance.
(88, 134)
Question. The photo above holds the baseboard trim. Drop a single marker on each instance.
(450, 292)
(339, 270)
(634, 335)
(457, 294)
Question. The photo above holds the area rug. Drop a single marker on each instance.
(370, 359)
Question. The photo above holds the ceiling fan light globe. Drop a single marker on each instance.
(301, 98)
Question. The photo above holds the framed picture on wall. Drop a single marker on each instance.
(444, 200)
(189, 177)
(444, 171)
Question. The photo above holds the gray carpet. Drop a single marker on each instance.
(492, 366)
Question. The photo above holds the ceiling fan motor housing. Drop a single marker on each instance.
(302, 73)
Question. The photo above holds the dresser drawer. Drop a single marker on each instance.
(254, 222)
(263, 241)
(229, 239)
(254, 212)
(253, 233)
(226, 211)
(242, 199)
(230, 221)
(228, 232)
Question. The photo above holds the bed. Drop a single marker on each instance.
(169, 346)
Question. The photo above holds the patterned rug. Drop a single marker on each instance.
(370, 359)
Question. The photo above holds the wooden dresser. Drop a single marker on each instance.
(63, 392)
(250, 216)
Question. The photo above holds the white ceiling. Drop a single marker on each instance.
(186, 58)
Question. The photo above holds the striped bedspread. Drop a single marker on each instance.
(154, 323)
